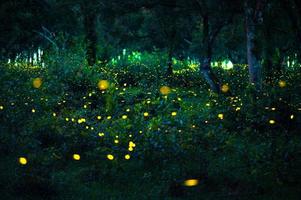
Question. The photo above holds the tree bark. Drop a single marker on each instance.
(253, 17)
(206, 70)
(269, 52)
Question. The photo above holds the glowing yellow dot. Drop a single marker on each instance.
(173, 113)
(22, 160)
(76, 156)
(191, 182)
(103, 84)
(130, 149)
(128, 110)
(110, 157)
(132, 144)
(54, 114)
(81, 120)
(116, 141)
(85, 106)
(124, 117)
(282, 83)
(145, 114)
(127, 156)
(220, 116)
(165, 90)
(271, 121)
(99, 117)
(33, 110)
(292, 116)
(225, 88)
(37, 83)
(109, 117)
(67, 119)
(1, 107)
(237, 109)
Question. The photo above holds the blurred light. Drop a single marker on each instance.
(165, 90)
(76, 156)
(103, 84)
(191, 182)
(282, 83)
(110, 157)
(271, 121)
(22, 160)
(37, 83)
(225, 88)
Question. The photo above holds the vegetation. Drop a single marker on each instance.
(150, 99)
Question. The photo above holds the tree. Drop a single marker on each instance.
(212, 24)
(254, 18)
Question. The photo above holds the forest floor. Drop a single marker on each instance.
(122, 134)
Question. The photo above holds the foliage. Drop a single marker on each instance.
(227, 142)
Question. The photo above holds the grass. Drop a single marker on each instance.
(224, 141)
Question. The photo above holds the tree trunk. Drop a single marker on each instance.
(268, 63)
(206, 70)
(90, 36)
(253, 17)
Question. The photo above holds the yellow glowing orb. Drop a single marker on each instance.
(22, 160)
(292, 116)
(132, 144)
(165, 90)
(282, 84)
(1, 107)
(127, 156)
(272, 121)
(225, 88)
(37, 83)
(191, 182)
(103, 84)
(124, 117)
(145, 114)
(220, 116)
(110, 157)
(173, 113)
(76, 156)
